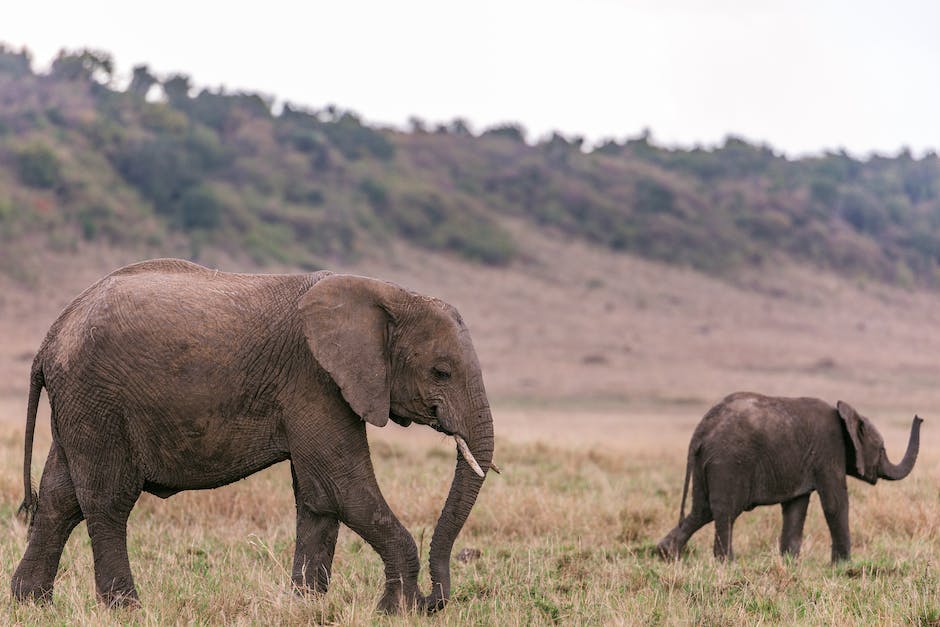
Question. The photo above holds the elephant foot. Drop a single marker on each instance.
(311, 586)
(304, 590)
(33, 581)
(25, 592)
(790, 553)
(119, 599)
(840, 558)
(435, 601)
(668, 548)
(399, 601)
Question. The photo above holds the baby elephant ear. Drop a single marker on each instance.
(853, 424)
(346, 320)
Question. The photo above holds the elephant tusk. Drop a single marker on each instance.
(495, 468)
(468, 456)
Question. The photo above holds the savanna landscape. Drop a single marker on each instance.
(613, 296)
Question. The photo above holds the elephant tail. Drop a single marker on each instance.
(31, 500)
(685, 486)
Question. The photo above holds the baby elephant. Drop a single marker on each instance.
(752, 450)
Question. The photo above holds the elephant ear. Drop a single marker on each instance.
(853, 424)
(346, 320)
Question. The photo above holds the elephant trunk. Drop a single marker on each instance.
(894, 472)
(460, 500)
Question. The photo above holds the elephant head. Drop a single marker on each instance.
(868, 448)
(396, 354)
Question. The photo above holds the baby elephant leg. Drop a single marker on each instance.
(671, 546)
(794, 516)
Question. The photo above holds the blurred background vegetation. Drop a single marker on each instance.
(161, 166)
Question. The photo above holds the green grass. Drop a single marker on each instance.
(566, 536)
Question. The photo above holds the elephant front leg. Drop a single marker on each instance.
(353, 494)
(724, 529)
(835, 504)
(316, 543)
(372, 519)
(57, 515)
(794, 517)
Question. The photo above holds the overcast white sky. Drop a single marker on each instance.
(801, 75)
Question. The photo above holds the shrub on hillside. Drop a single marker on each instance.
(165, 168)
(514, 132)
(651, 196)
(305, 139)
(863, 212)
(221, 111)
(199, 208)
(443, 223)
(16, 64)
(375, 193)
(38, 166)
(476, 240)
(162, 118)
(161, 169)
(356, 141)
(303, 194)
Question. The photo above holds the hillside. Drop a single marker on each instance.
(159, 167)
(572, 326)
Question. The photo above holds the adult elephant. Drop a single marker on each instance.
(167, 376)
(752, 450)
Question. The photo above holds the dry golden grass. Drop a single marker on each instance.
(565, 534)
(598, 366)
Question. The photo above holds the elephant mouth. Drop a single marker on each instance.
(433, 423)
(432, 420)
(399, 420)
(438, 426)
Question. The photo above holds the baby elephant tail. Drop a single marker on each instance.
(685, 486)
(31, 500)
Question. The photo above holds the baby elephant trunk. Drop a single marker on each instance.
(893, 472)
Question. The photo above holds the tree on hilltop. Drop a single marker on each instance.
(142, 81)
(83, 65)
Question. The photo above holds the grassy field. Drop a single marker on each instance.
(599, 366)
(565, 535)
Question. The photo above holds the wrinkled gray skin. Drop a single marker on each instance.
(167, 376)
(752, 450)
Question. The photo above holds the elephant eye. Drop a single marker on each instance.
(440, 373)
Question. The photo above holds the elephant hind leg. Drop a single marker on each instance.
(724, 528)
(670, 547)
(794, 517)
(57, 515)
(107, 485)
(725, 512)
(313, 553)
(726, 504)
